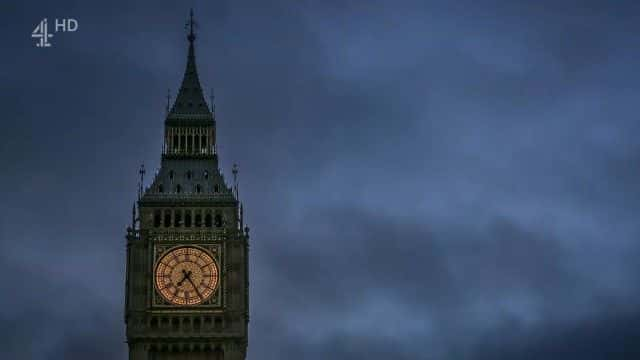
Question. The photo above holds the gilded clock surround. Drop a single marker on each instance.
(213, 300)
(186, 275)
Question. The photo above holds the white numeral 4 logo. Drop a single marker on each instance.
(41, 32)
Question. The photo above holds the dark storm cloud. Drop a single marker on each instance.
(448, 287)
(48, 315)
(610, 337)
(423, 180)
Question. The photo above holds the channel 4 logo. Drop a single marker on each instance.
(42, 33)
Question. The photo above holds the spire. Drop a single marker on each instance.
(190, 100)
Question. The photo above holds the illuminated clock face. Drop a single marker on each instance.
(186, 276)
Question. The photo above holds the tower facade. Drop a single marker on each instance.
(187, 249)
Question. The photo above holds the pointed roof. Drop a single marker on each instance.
(190, 101)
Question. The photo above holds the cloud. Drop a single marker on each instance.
(49, 317)
(419, 288)
(422, 179)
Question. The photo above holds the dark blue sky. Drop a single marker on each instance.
(422, 179)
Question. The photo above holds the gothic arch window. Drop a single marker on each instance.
(189, 174)
(177, 220)
(196, 143)
(203, 143)
(207, 220)
(189, 143)
(198, 217)
(175, 143)
(160, 188)
(187, 218)
(157, 218)
(178, 189)
(216, 188)
(198, 189)
(218, 220)
(182, 142)
(167, 218)
(170, 174)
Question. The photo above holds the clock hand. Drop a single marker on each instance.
(195, 288)
(186, 275)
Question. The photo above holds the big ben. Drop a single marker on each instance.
(187, 249)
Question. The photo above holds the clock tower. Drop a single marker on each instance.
(187, 249)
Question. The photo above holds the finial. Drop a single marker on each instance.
(133, 216)
(141, 184)
(168, 99)
(241, 217)
(235, 179)
(213, 104)
(191, 24)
